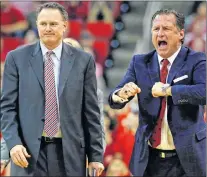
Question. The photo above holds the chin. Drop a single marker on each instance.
(49, 41)
(163, 54)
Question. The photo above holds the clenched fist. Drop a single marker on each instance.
(19, 154)
(160, 89)
(129, 89)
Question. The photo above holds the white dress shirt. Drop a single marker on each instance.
(166, 135)
(56, 60)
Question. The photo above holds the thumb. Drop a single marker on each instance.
(138, 90)
(25, 152)
(90, 171)
(95, 172)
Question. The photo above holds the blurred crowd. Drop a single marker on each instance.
(92, 24)
(195, 36)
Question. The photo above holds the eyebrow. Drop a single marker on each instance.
(48, 22)
(167, 26)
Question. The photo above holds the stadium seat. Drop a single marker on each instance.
(101, 48)
(11, 43)
(75, 27)
(100, 29)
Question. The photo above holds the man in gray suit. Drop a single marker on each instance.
(50, 115)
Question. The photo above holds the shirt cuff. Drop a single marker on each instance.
(118, 99)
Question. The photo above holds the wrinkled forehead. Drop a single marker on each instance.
(164, 19)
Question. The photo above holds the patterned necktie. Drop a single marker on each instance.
(156, 134)
(51, 107)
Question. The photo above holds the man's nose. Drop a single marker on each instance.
(48, 28)
(160, 32)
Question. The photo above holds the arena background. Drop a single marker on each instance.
(113, 31)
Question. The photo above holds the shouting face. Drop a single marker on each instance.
(166, 36)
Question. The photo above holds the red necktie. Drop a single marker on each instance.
(156, 134)
(51, 107)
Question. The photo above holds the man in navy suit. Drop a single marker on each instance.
(170, 83)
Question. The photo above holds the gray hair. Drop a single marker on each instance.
(53, 5)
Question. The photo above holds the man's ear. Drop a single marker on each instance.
(182, 34)
(65, 25)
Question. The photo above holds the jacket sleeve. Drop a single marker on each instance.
(130, 76)
(9, 103)
(196, 93)
(91, 113)
(4, 150)
(101, 107)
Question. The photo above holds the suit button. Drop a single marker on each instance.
(43, 120)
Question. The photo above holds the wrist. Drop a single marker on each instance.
(169, 91)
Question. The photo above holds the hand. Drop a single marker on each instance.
(97, 166)
(157, 90)
(129, 89)
(18, 155)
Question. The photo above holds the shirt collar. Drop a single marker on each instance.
(57, 50)
(171, 58)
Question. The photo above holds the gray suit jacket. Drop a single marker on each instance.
(4, 150)
(22, 107)
(101, 107)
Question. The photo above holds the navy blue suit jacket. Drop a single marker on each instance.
(185, 108)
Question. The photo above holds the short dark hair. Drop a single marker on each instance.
(53, 5)
(180, 18)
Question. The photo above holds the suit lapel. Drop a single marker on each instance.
(67, 60)
(177, 64)
(153, 68)
(37, 64)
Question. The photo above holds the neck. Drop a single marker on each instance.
(169, 55)
(53, 46)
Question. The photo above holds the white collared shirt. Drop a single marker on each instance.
(166, 135)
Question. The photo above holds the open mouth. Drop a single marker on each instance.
(162, 44)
